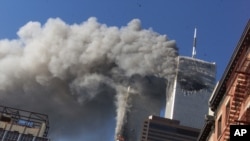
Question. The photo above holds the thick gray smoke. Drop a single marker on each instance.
(78, 74)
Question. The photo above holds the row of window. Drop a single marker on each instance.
(219, 122)
(13, 136)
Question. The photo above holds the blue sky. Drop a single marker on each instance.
(219, 22)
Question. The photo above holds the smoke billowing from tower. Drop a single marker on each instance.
(80, 72)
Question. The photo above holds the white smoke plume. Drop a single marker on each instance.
(66, 69)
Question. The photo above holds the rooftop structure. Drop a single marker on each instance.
(21, 125)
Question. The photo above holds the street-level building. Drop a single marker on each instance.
(231, 99)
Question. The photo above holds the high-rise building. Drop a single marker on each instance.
(187, 100)
(162, 129)
(148, 102)
(21, 125)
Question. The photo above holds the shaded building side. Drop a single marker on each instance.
(162, 129)
(148, 102)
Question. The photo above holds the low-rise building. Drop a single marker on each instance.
(231, 99)
(21, 125)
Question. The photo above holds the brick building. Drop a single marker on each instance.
(230, 101)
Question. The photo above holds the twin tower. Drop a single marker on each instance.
(184, 99)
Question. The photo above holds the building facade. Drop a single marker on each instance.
(21, 125)
(187, 100)
(162, 129)
(148, 102)
(231, 99)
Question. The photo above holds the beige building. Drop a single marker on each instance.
(230, 102)
(21, 125)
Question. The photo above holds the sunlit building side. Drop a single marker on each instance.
(187, 100)
(230, 102)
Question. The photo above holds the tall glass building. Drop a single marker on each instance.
(187, 98)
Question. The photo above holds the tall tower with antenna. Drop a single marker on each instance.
(194, 44)
(187, 100)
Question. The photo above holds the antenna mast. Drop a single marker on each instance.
(194, 44)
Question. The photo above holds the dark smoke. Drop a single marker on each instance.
(78, 74)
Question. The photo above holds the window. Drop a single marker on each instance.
(219, 127)
(1, 133)
(41, 139)
(11, 136)
(227, 112)
(26, 137)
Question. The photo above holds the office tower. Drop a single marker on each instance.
(187, 99)
(162, 129)
(21, 125)
(149, 100)
(186, 96)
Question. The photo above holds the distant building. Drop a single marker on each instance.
(187, 100)
(231, 99)
(162, 129)
(21, 125)
(184, 98)
(148, 102)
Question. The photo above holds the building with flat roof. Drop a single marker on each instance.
(21, 125)
(187, 100)
(162, 129)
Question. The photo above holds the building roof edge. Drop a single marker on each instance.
(221, 89)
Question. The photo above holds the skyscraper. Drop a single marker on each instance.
(186, 96)
(21, 125)
(149, 101)
(187, 99)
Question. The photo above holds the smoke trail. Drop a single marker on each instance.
(122, 109)
(57, 64)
